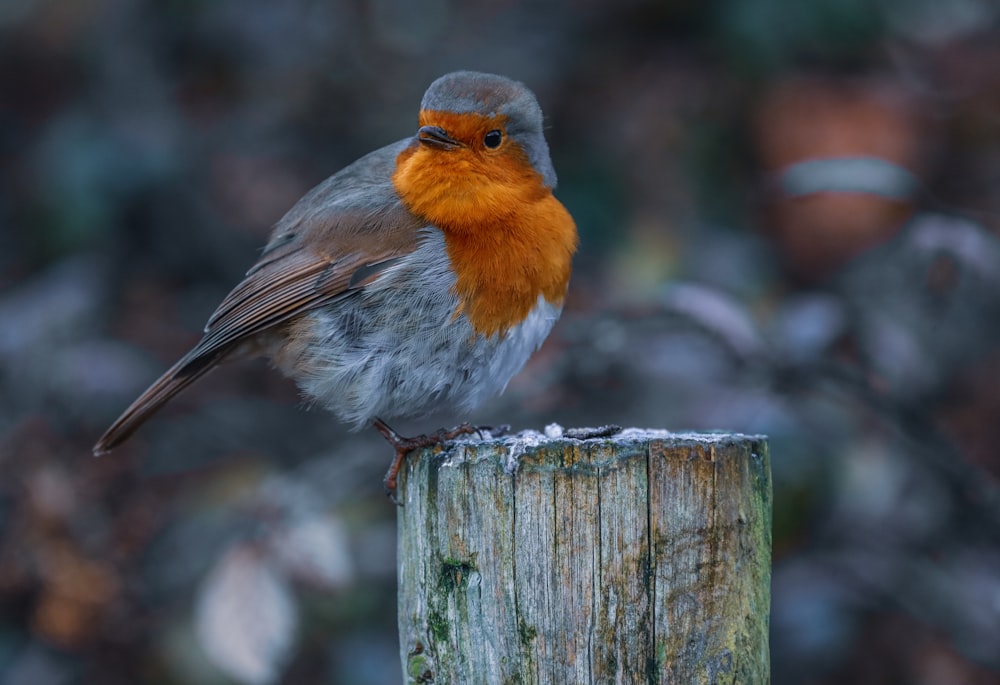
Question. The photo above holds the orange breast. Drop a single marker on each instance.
(509, 239)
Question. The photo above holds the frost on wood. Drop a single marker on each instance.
(636, 558)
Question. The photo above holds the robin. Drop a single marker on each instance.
(420, 277)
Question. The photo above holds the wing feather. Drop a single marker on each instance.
(338, 239)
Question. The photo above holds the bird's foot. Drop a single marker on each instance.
(404, 446)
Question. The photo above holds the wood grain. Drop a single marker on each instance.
(638, 558)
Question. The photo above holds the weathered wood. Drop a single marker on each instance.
(640, 558)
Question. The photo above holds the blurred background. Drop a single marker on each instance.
(789, 215)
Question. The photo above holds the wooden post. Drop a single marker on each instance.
(644, 557)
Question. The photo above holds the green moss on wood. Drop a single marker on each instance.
(526, 632)
(418, 669)
(454, 574)
(437, 624)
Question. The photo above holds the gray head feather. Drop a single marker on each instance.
(489, 94)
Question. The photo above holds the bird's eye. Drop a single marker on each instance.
(492, 139)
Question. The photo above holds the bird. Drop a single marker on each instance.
(420, 277)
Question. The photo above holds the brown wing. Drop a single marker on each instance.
(266, 298)
(321, 251)
(279, 290)
(336, 239)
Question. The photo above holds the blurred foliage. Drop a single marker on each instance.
(789, 218)
(775, 34)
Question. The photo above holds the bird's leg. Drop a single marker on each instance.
(404, 446)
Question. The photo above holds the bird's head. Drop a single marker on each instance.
(478, 149)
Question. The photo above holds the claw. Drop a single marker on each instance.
(404, 446)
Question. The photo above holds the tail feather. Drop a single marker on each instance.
(179, 376)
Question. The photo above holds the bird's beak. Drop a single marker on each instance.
(435, 136)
